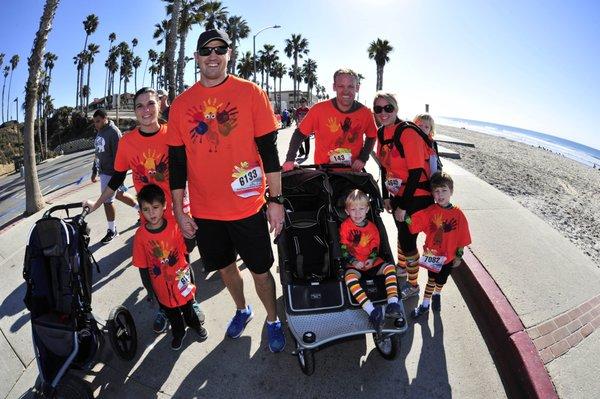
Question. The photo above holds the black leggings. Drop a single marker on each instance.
(180, 316)
(407, 240)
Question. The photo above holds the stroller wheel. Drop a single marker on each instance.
(388, 345)
(69, 387)
(306, 359)
(122, 333)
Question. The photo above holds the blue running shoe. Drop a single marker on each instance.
(238, 323)
(393, 310)
(160, 322)
(276, 337)
(376, 318)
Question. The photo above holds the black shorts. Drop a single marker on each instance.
(441, 277)
(407, 240)
(219, 242)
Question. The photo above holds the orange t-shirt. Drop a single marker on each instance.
(338, 135)
(218, 125)
(446, 230)
(163, 253)
(360, 243)
(416, 156)
(148, 159)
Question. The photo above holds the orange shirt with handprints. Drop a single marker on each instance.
(446, 230)
(163, 254)
(338, 135)
(147, 156)
(361, 243)
(218, 126)
(416, 156)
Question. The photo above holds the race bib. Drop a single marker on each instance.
(393, 185)
(340, 156)
(247, 182)
(183, 282)
(432, 263)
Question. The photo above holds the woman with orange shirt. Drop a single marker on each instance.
(405, 172)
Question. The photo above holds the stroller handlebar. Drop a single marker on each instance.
(66, 208)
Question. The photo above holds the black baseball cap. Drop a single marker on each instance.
(212, 34)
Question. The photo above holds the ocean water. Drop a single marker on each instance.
(579, 152)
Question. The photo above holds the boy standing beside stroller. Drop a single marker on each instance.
(159, 251)
(360, 249)
(447, 233)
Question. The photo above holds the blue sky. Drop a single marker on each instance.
(529, 64)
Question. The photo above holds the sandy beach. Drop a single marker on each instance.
(564, 193)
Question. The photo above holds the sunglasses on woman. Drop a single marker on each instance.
(205, 51)
(387, 108)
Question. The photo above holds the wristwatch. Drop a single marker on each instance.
(278, 199)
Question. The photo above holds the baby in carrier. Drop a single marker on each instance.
(360, 241)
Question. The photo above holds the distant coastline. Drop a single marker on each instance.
(581, 153)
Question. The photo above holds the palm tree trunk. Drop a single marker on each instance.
(87, 97)
(195, 70)
(171, 43)
(105, 84)
(295, 79)
(181, 62)
(135, 79)
(3, 86)
(34, 200)
(8, 97)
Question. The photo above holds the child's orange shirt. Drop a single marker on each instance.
(360, 243)
(446, 230)
(163, 254)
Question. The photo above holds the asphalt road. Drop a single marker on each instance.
(54, 174)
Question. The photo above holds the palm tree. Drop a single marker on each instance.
(190, 15)
(136, 63)
(245, 66)
(309, 70)
(92, 50)
(160, 34)
(295, 73)
(152, 56)
(49, 60)
(6, 71)
(278, 72)
(296, 47)
(112, 64)
(2, 62)
(268, 56)
(237, 29)
(379, 50)
(90, 24)
(14, 61)
(215, 15)
(111, 38)
(171, 43)
(34, 200)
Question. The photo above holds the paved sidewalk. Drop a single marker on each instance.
(545, 281)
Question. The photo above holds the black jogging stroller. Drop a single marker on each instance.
(319, 308)
(58, 273)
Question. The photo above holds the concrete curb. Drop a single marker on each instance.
(519, 359)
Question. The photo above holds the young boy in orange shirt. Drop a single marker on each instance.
(360, 249)
(447, 233)
(159, 251)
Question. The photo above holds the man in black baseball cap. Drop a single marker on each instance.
(210, 35)
(220, 126)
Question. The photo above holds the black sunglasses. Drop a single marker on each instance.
(387, 108)
(205, 51)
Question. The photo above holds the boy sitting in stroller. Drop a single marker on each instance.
(360, 241)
